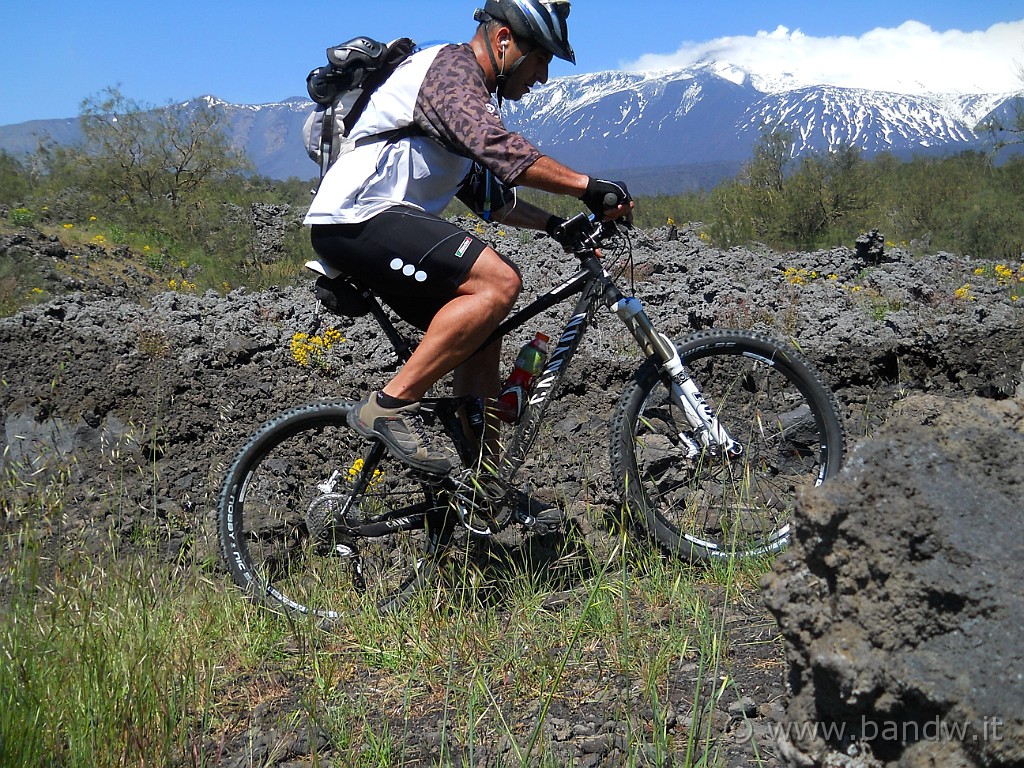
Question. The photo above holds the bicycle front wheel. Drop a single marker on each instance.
(289, 506)
(714, 505)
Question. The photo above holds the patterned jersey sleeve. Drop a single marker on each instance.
(455, 108)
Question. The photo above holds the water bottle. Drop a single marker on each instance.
(517, 386)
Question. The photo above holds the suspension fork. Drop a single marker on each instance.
(708, 429)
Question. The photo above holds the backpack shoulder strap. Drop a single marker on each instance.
(326, 139)
(396, 134)
(397, 52)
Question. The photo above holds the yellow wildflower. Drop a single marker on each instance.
(963, 293)
(357, 467)
(798, 276)
(308, 349)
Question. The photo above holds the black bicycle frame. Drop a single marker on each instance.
(591, 282)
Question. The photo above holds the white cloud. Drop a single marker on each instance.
(910, 58)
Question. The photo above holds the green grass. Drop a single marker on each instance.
(114, 661)
(111, 656)
(101, 668)
(150, 261)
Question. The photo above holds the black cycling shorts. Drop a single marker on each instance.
(414, 261)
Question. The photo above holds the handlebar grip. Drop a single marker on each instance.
(611, 200)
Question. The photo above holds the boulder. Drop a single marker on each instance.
(900, 601)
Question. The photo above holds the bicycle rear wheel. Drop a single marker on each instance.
(297, 473)
(772, 401)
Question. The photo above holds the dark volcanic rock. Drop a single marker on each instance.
(900, 600)
(138, 399)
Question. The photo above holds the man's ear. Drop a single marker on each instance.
(503, 38)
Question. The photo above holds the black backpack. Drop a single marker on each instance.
(341, 90)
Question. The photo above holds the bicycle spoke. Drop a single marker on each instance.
(314, 522)
(717, 503)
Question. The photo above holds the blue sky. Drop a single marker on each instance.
(56, 54)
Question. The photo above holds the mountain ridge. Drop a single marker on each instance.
(693, 119)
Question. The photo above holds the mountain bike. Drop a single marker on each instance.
(710, 442)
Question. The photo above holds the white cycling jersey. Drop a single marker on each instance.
(441, 95)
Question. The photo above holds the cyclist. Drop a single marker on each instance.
(432, 132)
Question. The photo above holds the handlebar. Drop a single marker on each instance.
(583, 233)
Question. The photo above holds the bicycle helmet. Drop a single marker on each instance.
(540, 21)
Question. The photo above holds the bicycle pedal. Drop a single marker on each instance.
(538, 525)
(537, 517)
(343, 551)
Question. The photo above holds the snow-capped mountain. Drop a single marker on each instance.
(715, 113)
(669, 130)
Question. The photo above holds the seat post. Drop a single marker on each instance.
(403, 350)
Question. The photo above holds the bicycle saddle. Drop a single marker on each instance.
(336, 291)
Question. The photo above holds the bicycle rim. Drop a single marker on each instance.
(297, 473)
(715, 505)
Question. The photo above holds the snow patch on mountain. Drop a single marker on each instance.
(709, 114)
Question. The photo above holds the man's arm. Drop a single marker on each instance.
(523, 214)
(550, 175)
(481, 189)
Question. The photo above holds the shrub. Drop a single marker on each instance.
(21, 217)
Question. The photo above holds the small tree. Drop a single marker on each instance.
(14, 181)
(766, 176)
(772, 155)
(1004, 134)
(142, 157)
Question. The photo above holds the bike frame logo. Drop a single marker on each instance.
(559, 357)
(685, 384)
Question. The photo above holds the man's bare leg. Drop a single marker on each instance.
(480, 376)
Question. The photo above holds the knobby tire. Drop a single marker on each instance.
(278, 478)
(771, 400)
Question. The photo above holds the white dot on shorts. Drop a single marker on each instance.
(396, 264)
(421, 276)
(408, 269)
